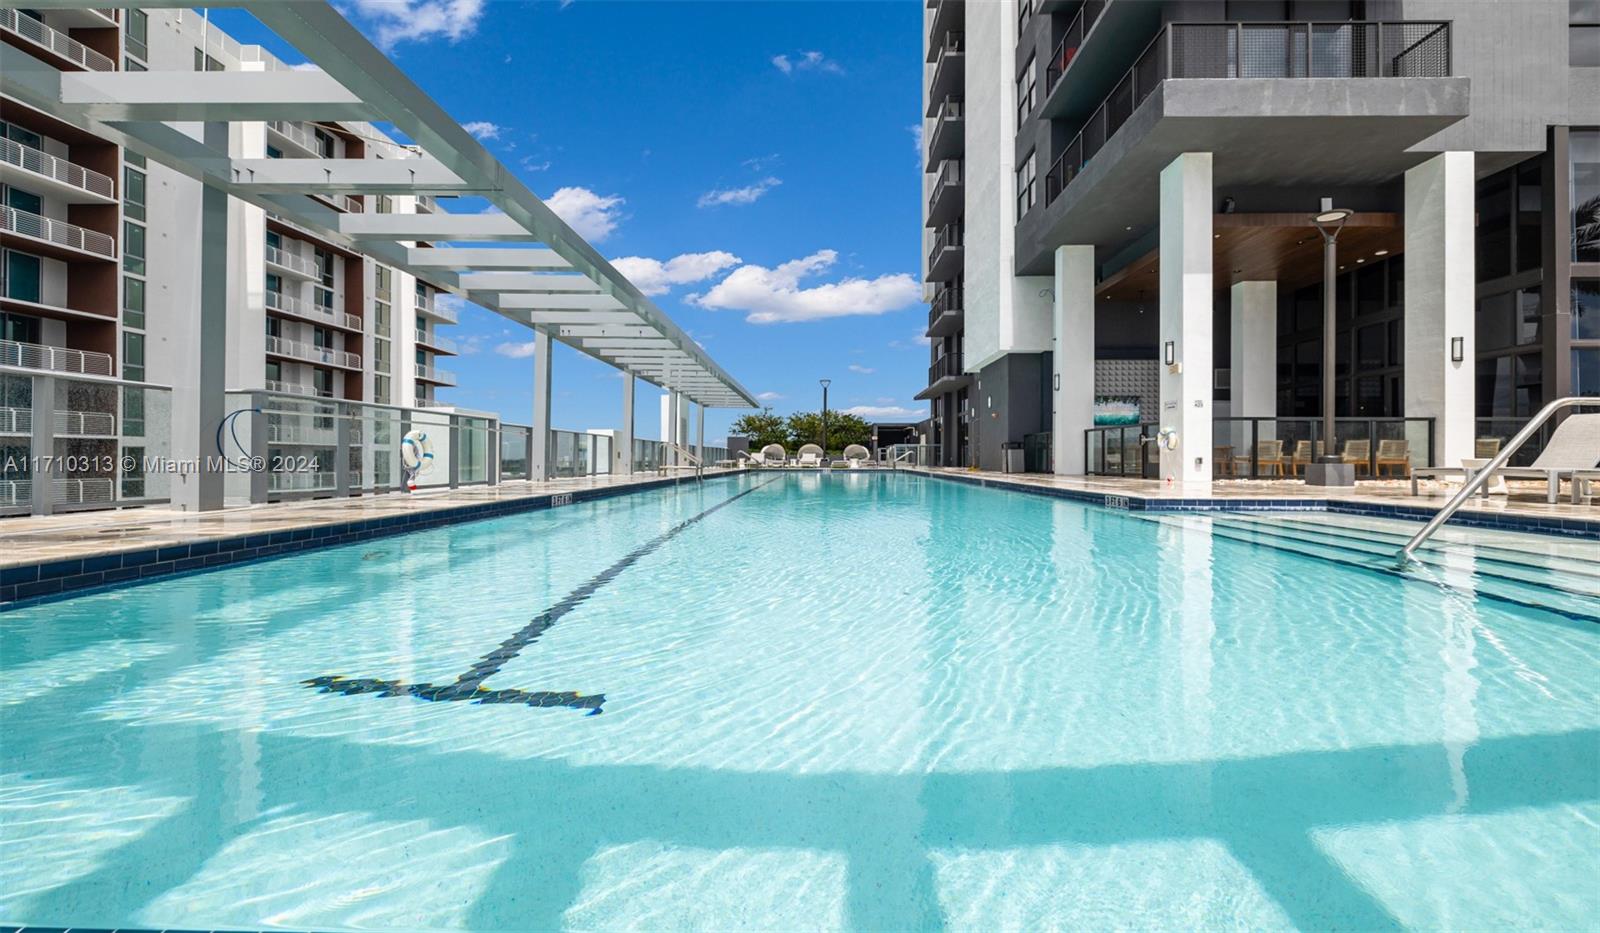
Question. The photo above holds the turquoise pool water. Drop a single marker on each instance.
(824, 702)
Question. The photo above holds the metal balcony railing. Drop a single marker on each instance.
(441, 376)
(1350, 49)
(305, 434)
(287, 260)
(952, 43)
(949, 175)
(947, 301)
(442, 344)
(299, 482)
(1072, 40)
(39, 34)
(290, 388)
(54, 359)
(15, 421)
(950, 237)
(426, 204)
(343, 202)
(296, 133)
(945, 367)
(68, 173)
(312, 353)
(430, 306)
(310, 310)
(85, 424)
(58, 232)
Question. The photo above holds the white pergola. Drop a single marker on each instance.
(519, 260)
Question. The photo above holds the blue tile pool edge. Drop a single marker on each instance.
(29, 584)
(1561, 527)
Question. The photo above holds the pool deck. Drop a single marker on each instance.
(1527, 510)
(46, 555)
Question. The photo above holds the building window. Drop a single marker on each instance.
(1583, 33)
(132, 247)
(1024, 13)
(23, 277)
(380, 389)
(133, 302)
(1025, 185)
(132, 193)
(1585, 309)
(325, 146)
(324, 267)
(133, 356)
(20, 135)
(137, 36)
(204, 62)
(273, 152)
(1584, 153)
(322, 380)
(1025, 92)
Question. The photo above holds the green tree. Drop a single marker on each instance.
(762, 428)
(805, 427)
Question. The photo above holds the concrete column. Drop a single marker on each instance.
(700, 432)
(1253, 363)
(43, 445)
(1073, 358)
(625, 438)
(1186, 296)
(1440, 294)
(670, 435)
(539, 465)
(199, 396)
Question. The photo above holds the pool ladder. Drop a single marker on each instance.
(694, 461)
(1478, 479)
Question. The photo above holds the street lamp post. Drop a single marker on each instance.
(1329, 469)
(825, 383)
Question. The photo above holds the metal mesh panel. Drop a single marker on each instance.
(1147, 72)
(1119, 106)
(1202, 50)
(1416, 50)
(1094, 133)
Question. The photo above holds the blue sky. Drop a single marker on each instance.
(770, 145)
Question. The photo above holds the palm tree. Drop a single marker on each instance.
(1586, 230)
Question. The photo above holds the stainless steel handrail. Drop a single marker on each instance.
(684, 452)
(1483, 476)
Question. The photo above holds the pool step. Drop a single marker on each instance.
(1572, 564)
(1535, 584)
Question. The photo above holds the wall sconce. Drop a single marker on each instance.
(1170, 353)
(1458, 349)
(1058, 382)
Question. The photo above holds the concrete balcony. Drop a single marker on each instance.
(290, 306)
(296, 135)
(291, 388)
(442, 377)
(57, 238)
(56, 43)
(945, 375)
(949, 70)
(311, 353)
(287, 263)
(47, 174)
(54, 359)
(945, 259)
(945, 204)
(431, 307)
(945, 313)
(436, 343)
(948, 139)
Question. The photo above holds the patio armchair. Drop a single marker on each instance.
(1572, 453)
(1358, 453)
(1394, 454)
(1302, 457)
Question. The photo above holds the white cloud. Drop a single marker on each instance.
(305, 66)
(395, 21)
(749, 194)
(915, 130)
(897, 412)
(863, 370)
(768, 296)
(530, 164)
(654, 277)
(593, 216)
(761, 163)
(768, 396)
(515, 350)
(806, 61)
(482, 129)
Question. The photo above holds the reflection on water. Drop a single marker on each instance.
(842, 701)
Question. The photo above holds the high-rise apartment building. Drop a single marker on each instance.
(99, 264)
(1120, 218)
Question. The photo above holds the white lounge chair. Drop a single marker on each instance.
(810, 455)
(773, 455)
(1574, 448)
(855, 457)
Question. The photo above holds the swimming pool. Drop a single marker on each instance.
(817, 701)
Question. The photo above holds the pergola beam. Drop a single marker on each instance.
(347, 176)
(468, 227)
(485, 258)
(211, 96)
(532, 282)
